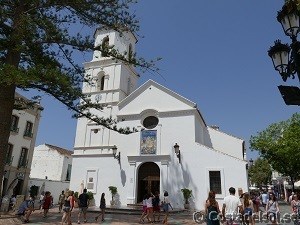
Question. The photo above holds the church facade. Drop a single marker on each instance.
(172, 149)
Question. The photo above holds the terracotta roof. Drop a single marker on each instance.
(60, 150)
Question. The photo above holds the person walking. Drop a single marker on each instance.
(241, 197)
(166, 207)
(156, 207)
(12, 202)
(83, 202)
(212, 209)
(291, 197)
(272, 208)
(41, 200)
(61, 201)
(26, 208)
(295, 204)
(256, 202)
(73, 200)
(264, 198)
(66, 218)
(47, 202)
(144, 209)
(231, 207)
(248, 209)
(149, 204)
(102, 208)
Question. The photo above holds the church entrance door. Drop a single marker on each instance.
(148, 180)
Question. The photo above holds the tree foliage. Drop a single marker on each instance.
(37, 47)
(260, 173)
(279, 144)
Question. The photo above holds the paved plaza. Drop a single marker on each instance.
(55, 218)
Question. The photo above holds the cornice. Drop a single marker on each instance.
(107, 62)
(136, 116)
(154, 158)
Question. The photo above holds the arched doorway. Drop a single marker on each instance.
(148, 179)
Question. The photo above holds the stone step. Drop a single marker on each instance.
(128, 210)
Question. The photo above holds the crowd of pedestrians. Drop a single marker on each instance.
(152, 207)
(242, 208)
(245, 208)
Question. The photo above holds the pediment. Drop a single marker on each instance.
(153, 96)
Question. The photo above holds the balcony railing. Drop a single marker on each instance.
(28, 134)
(14, 129)
(23, 164)
(8, 161)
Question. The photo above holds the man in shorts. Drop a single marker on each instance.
(26, 208)
(231, 208)
(83, 202)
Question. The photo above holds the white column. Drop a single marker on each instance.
(131, 187)
(164, 177)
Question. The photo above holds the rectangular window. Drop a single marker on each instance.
(91, 180)
(28, 129)
(215, 181)
(8, 157)
(14, 123)
(68, 177)
(23, 158)
(90, 184)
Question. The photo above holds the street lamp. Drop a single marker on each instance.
(116, 156)
(251, 162)
(286, 58)
(177, 152)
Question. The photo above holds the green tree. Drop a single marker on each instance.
(37, 48)
(260, 173)
(280, 145)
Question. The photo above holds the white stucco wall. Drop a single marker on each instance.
(49, 163)
(196, 161)
(226, 143)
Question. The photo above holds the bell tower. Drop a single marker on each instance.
(112, 80)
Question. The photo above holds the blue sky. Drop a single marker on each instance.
(215, 54)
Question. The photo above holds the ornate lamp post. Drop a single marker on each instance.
(286, 58)
(251, 162)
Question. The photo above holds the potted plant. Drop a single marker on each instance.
(91, 198)
(187, 193)
(113, 190)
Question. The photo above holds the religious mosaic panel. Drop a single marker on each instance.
(148, 142)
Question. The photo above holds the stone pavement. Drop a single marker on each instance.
(55, 218)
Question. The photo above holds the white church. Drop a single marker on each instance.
(173, 148)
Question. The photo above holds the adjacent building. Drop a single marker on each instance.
(21, 144)
(172, 148)
(51, 169)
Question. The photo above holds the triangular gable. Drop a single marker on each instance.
(152, 95)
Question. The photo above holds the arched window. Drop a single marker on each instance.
(105, 45)
(130, 52)
(100, 81)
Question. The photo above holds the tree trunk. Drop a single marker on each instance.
(7, 91)
(7, 98)
(293, 184)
